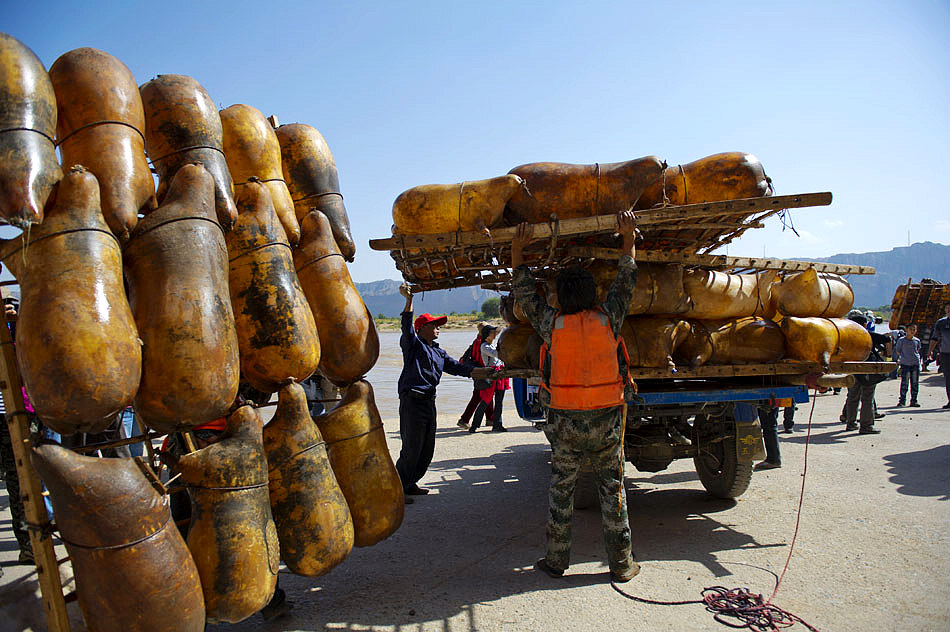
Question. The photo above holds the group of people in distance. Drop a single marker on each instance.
(585, 387)
(905, 349)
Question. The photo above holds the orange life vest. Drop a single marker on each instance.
(581, 369)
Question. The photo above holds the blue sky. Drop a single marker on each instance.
(850, 97)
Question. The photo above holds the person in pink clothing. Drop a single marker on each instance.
(492, 397)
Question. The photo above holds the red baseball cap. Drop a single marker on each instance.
(425, 319)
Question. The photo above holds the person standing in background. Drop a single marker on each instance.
(907, 350)
(469, 358)
(491, 398)
(941, 335)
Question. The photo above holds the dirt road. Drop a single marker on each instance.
(871, 552)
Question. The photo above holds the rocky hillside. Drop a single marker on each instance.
(383, 298)
(917, 261)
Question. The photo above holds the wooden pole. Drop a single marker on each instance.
(31, 490)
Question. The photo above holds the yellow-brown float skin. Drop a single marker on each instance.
(733, 342)
(349, 344)
(570, 191)
(312, 517)
(659, 288)
(720, 296)
(101, 125)
(28, 166)
(176, 266)
(445, 208)
(810, 293)
(515, 347)
(252, 151)
(119, 532)
(363, 467)
(311, 176)
(728, 176)
(825, 339)
(652, 341)
(77, 343)
(232, 536)
(277, 336)
(182, 126)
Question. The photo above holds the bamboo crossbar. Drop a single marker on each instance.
(720, 261)
(784, 368)
(608, 223)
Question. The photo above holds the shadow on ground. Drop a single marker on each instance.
(489, 523)
(921, 473)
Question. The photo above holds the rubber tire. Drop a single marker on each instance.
(731, 479)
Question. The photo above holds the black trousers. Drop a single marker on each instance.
(417, 431)
(494, 413)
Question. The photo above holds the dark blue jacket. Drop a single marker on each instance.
(422, 363)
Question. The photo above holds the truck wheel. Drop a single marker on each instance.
(719, 469)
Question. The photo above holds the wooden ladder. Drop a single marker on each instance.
(31, 489)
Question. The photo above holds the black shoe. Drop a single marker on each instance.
(900, 404)
(415, 490)
(881, 415)
(499, 429)
(851, 427)
(869, 431)
(26, 557)
(625, 576)
(766, 465)
(278, 606)
(947, 405)
(914, 405)
(542, 565)
(472, 429)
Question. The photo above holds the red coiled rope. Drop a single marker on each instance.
(740, 608)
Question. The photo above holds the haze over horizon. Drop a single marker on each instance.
(847, 97)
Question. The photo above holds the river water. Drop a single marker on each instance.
(453, 393)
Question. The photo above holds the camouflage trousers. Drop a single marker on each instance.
(593, 436)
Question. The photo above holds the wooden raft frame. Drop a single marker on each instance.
(919, 303)
(674, 234)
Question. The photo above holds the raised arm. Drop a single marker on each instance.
(405, 291)
(621, 290)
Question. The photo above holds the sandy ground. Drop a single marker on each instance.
(872, 552)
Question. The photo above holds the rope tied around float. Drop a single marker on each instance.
(60, 141)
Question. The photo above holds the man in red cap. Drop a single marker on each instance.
(423, 363)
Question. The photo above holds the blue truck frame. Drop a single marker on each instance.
(747, 398)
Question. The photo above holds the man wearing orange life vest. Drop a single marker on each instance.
(584, 387)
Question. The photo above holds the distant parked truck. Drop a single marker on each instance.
(919, 304)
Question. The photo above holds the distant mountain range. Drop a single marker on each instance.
(383, 298)
(924, 260)
(918, 261)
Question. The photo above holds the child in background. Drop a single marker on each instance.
(908, 355)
